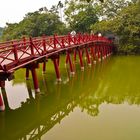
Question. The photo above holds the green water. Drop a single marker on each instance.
(100, 103)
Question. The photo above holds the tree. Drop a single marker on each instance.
(110, 8)
(80, 15)
(35, 24)
(91, 0)
(126, 25)
(1, 30)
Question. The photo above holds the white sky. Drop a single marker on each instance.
(12, 11)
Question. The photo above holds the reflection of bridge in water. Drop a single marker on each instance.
(29, 122)
(40, 113)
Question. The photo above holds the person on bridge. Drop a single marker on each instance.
(99, 34)
(73, 33)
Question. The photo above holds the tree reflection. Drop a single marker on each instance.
(87, 89)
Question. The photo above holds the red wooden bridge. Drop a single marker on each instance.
(29, 52)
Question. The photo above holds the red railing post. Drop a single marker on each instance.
(15, 52)
(54, 41)
(44, 43)
(32, 47)
(79, 38)
(62, 41)
(24, 42)
(75, 39)
(69, 39)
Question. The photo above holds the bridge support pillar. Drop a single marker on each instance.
(75, 53)
(67, 57)
(70, 64)
(35, 80)
(2, 105)
(57, 69)
(2, 84)
(27, 73)
(58, 60)
(103, 52)
(81, 60)
(93, 54)
(44, 67)
(88, 57)
(110, 50)
(5, 99)
(107, 50)
(99, 53)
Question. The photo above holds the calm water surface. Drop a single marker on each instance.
(100, 103)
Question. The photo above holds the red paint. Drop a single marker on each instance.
(67, 58)
(44, 67)
(81, 60)
(44, 43)
(35, 80)
(75, 53)
(98, 52)
(88, 57)
(57, 69)
(15, 52)
(70, 63)
(24, 42)
(32, 47)
(20, 53)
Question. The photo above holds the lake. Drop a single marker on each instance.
(100, 103)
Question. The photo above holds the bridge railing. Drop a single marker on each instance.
(20, 51)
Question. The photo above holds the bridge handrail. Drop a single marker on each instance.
(39, 46)
(83, 38)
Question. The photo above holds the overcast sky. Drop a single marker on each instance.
(12, 11)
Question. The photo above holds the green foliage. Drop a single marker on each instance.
(1, 32)
(110, 8)
(80, 15)
(121, 17)
(126, 24)
(35, 24)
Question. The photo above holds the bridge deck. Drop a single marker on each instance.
(16, 54)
